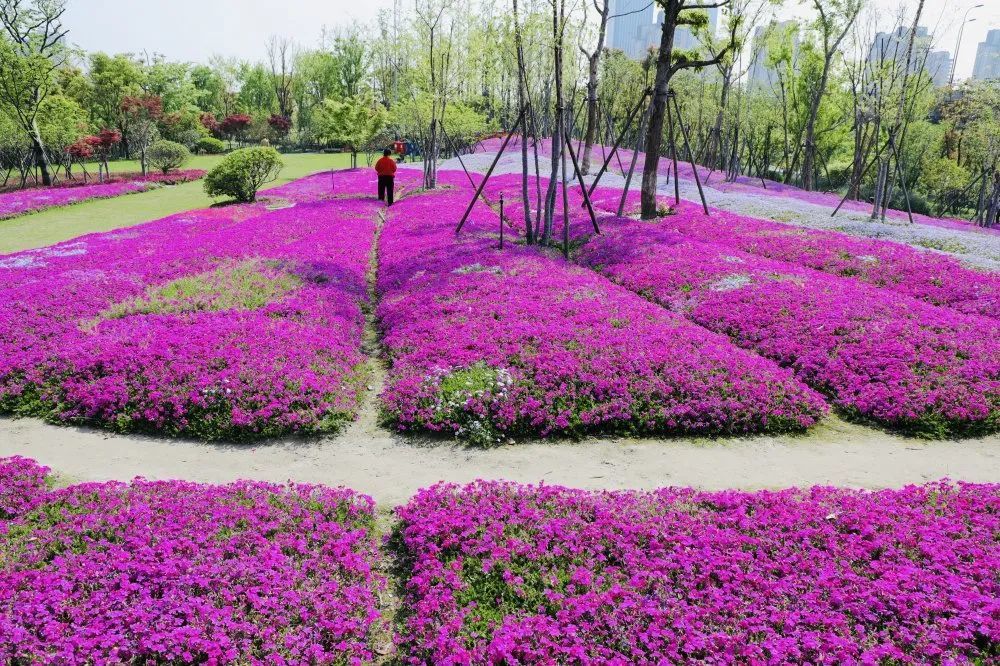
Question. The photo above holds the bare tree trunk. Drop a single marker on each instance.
(523, 97)
(809, 146)
(550, 199)
(901, 109)
(41, 158)
(593, 62)
(654, 133)
(713, 156)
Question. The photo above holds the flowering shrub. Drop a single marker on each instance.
(501, 573)
(490, 344)
(32, 200)
(241, 173)
(182, 573)
(879, 355)
(232, 322)
(22, 485)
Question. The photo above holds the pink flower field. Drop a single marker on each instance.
(245, 321)
(502, 573)
(181, 573)
(256, 573)
(931, 277)
(879, 355)
(234, 322)
(489, 344)
(21, 202)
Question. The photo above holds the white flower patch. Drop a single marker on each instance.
(69, 250)
(731, 282)
(21, 261)
(477, 268)
(84, 274)
(121, 235)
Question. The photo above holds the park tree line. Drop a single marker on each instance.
(830, 113)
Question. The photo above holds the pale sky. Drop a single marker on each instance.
(194, 30)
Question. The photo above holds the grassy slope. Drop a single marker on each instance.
(59, 224)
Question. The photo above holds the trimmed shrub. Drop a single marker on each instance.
(209, 145)
(168, 155)
(241, 173)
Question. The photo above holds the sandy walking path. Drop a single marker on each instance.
(391, 468)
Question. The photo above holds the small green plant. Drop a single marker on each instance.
(167, 156)
(209, 145)
(477, 384)
(241, 173)
(664, 210)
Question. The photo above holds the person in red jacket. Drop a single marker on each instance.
(386, 170)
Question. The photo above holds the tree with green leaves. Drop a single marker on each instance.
(15, 149)
(112, 80)
(669, 63)
(32, 49)
(353, 123)
(61, 122)
(833, 21)
(350, 59)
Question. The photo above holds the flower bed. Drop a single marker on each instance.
(32, 200)
(22, 485)
(232, 322)
(501, 573)
(931, 277)
(879, 355)
(489, 345)
(182, 573)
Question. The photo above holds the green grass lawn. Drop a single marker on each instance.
(59, 224)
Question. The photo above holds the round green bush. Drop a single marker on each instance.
(167, 155)
(210, 146)
(241, 173)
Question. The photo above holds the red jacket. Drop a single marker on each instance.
(386, 167)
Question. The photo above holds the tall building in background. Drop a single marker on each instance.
(762, 76)
(635, 28)
(988, 57)
(938, 66)
(892, 47)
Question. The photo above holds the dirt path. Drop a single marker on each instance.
(373, 460)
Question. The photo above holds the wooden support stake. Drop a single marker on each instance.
(635, 158)
(687, 147)
(501, 220)
(673, 155)
(902, 178)
(482, 185)
(621, 137)
(583, 186)
(455, 150)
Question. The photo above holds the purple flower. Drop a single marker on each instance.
(502, 573)
(176, 572)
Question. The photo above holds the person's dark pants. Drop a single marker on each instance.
(386, 185)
